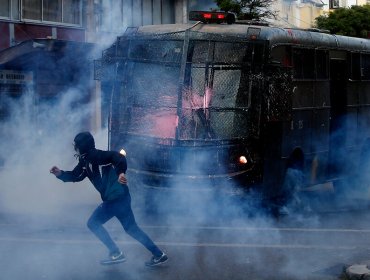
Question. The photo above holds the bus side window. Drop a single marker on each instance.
(304, 63)
(321, 59)
(355, 66)
(281, 55)
(365, 67)
(278, 95)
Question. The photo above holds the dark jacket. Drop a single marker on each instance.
(102, 168)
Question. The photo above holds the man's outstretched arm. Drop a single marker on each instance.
(76, 175)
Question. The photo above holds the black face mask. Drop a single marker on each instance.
(77, 154)
(83, 143)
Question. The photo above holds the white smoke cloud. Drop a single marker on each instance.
(34, 139)
(32, 142)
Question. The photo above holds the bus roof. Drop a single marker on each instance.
(274, 35)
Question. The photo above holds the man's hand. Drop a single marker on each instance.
(56, 171)
(122, 179)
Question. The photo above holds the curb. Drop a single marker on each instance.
(358, 271)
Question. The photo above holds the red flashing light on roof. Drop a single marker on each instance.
(207, 16)
(212, 17)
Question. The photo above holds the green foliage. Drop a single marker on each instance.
(354, 21)
(248, 9)
(228, 6)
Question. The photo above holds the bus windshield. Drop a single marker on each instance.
(206, 97)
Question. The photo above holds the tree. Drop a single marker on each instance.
(354, 21)
(248, 9)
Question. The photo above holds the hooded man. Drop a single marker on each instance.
(106, 171)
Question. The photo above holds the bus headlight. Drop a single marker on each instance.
(243, 160)
(122, 152)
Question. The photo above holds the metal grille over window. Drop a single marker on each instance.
(205, 98)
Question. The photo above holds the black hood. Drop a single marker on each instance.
(84, 142)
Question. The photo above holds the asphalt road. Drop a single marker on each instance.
(316, 245)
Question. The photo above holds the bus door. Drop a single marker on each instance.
(338, 100)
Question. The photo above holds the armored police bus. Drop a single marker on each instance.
(217, 100)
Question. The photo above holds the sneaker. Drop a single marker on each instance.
(116, 257)
(157, 260)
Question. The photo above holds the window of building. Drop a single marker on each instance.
(9, 9)
(59, 11)
(4, 8)
(72, 11)
(333, 4)
(52, 10)
(32, 9)
(113, 8)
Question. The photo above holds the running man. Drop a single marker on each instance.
(106, 171)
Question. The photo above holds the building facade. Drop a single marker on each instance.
(81, 20)
(298, 13)
(336, 4)
(40, 38)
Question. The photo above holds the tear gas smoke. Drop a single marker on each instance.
(33, 142)
(29, 148)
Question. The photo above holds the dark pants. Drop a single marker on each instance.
(120, 208)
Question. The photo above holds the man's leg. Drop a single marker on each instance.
(124, 214)
(95, 223)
